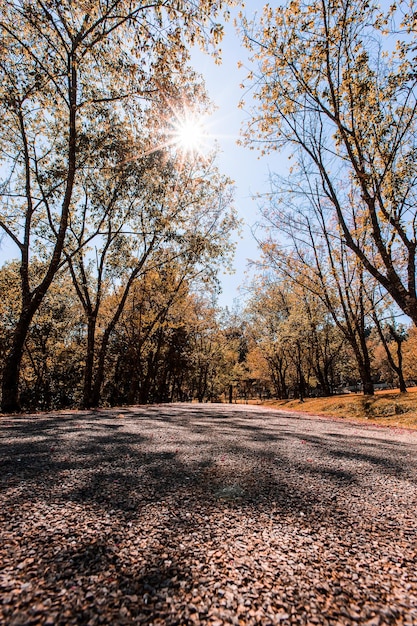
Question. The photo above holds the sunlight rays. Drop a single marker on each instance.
(190, 134)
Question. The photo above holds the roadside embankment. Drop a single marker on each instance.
(388, 408)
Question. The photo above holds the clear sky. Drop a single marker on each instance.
(241, 164)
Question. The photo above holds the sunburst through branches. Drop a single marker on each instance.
(189, 134)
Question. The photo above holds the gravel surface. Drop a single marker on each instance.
(206, 514)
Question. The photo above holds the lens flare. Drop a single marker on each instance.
(189, 134)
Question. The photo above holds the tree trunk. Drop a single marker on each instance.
(301, 385)
(323, 380)
(145, 387)
(366, 380)
(89, 363)
(401, 381)
(300, 376)
(11, 371)
(99, 377)
(133, 387)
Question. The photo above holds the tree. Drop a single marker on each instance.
(410, 356)
(65, 63)
(150, 344)
(389, 333)
(323, 338)
(259, 372)
(335, 83)
(296, 334)
(303, 244)
(146, 214)
(267, 312)
(207, 344)
(51, 366)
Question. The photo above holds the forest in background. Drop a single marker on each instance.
(121, 233)
(172, 343)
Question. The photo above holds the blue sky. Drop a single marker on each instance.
(243, 165)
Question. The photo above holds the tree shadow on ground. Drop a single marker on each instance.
(122, 510)
(110, 461)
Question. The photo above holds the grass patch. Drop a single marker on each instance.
(390, 408)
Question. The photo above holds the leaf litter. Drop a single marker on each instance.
(186, 514)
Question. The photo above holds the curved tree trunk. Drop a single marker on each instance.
(400, 373)
(88, 399)
(11, 371)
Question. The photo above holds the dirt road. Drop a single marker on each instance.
(206, 514)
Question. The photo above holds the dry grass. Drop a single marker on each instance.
(389, 408)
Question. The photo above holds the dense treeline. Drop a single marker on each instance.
(169, 344)
(302, 350)
(173, 344)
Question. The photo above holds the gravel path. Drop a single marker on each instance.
(206, 514)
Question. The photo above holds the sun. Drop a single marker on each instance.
(189, 134)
